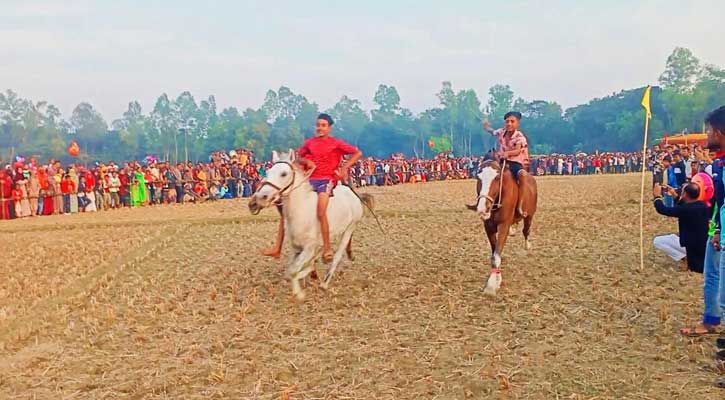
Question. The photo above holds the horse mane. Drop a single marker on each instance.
(491, 163)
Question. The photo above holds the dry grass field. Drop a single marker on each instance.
(175, 303)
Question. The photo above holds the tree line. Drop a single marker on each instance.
(183, 128)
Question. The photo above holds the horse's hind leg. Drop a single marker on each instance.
(346, 237)
(348, 250)
(527, 229)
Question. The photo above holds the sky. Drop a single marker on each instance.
(111, 52)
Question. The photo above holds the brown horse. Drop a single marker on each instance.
(498, 194)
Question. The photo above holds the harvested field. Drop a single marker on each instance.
(175, 302)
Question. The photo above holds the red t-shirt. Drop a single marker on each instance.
(326, 153)
(67, 187)
(90, 182)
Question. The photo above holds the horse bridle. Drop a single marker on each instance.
(279, 191)
(495, 205)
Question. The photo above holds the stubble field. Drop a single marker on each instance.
(174, 302)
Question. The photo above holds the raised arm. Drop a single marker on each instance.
(487, 126)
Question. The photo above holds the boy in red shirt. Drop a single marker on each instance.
(323, 154)
(67, 186)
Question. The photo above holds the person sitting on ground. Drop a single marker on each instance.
(692, 218)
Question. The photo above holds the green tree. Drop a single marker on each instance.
(500, 101)
(90, 129)
(350, 119)
(681, 71)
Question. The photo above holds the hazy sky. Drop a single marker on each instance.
(111, 52)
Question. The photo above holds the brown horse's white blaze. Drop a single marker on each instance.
(496, 205)
(485, 203)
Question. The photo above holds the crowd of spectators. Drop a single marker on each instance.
(31, 188)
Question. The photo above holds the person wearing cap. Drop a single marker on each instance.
(514, 148)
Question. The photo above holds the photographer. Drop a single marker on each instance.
(692, 219)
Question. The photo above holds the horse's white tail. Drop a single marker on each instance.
(368, 200)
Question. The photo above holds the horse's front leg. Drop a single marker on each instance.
(501, 237)
(490, 227)
(495, 279)
(296, 270)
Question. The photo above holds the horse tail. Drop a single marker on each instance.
(368, 200)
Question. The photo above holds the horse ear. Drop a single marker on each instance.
(292, 155)
(275, 156)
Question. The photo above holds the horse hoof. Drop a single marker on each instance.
(529, 246)
(489, 291)
(324, 285)
(300, 296)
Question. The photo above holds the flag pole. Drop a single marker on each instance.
(641, 196)
(647, 116)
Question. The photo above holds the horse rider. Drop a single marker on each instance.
(514, 148)
(322, 154)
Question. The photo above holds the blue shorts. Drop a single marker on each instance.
(322, 186)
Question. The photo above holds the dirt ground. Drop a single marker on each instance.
(175, 303)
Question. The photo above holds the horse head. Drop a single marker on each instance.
(280, 178)
(488, 187)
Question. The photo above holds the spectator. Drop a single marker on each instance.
(692, 219)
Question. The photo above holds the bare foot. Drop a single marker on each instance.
(274, 253)
(327, 256)
(698, 330)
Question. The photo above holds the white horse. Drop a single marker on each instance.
(286, 181)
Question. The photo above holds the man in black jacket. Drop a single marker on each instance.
(692, 219)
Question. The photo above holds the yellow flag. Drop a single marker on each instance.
(645, 102)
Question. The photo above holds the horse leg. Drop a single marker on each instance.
(346, 237)
(527, 229)
(491, 233)
(523, 184)
(501, 237)
(348, 250)
(495, 279)
(293, 255)
(294, 271)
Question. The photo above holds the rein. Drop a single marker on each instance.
(500, 185)
(366, 206)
